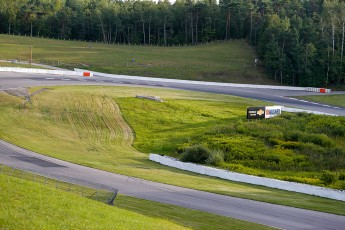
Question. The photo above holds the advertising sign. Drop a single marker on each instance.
(272, 111)
(263, 112)
(255, 112)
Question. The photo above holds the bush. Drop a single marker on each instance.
(328, 177)
(216, 158)
(317, 139)
(196, 154)
(332, 126)
(293, 136)
(290, 145)
(342, 176)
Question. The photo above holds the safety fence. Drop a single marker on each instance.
(87, 189)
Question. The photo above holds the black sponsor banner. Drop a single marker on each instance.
(255, 112)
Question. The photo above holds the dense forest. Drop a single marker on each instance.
(301, 42)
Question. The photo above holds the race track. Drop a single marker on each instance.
(259, 212)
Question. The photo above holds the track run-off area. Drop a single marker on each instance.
(259, 212)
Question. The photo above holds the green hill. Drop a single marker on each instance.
(221, 62)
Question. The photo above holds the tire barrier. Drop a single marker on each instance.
(317, 90)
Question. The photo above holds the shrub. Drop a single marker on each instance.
(216, 158)
(196, 154)
(328, 177)
(317, 139)
(341, 185)
(293, 136)
(182, 148)
(342, 176)
(290, 145)
(333, 126)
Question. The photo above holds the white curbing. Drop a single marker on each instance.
(43, 71)
(239, 177)
(294, 110)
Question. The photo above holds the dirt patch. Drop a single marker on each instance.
(18, 92)
(23, 93)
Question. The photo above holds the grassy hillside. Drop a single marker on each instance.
(293, 147)
(224, 62)
(162, 215)
(84, 125)
(27, 205)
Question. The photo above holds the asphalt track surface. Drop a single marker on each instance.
(259, 212)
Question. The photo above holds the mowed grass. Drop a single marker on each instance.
(10, 64)
(27, 205)
(141, 213)
(85, 126)
(224, 62)
(335, 99)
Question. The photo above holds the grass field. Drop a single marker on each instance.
(27, 205)
(165, 216)
(84, 125)
(224, 62)
(336, 100)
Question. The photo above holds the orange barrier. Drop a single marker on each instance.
(86, 74)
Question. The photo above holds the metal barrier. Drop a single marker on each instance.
(88, 189)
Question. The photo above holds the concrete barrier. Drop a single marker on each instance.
(46, 71)
(194, 82)
(239, 177)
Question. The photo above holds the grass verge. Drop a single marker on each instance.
(336, 99)
(84, 125)
(166, 216)
(27, 205)
(10, 64)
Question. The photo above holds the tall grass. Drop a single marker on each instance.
(290, 144)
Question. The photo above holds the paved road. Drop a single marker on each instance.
(264, 213)
(12, 80)
(259, 212)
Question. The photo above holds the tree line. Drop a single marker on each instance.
(301, 42)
